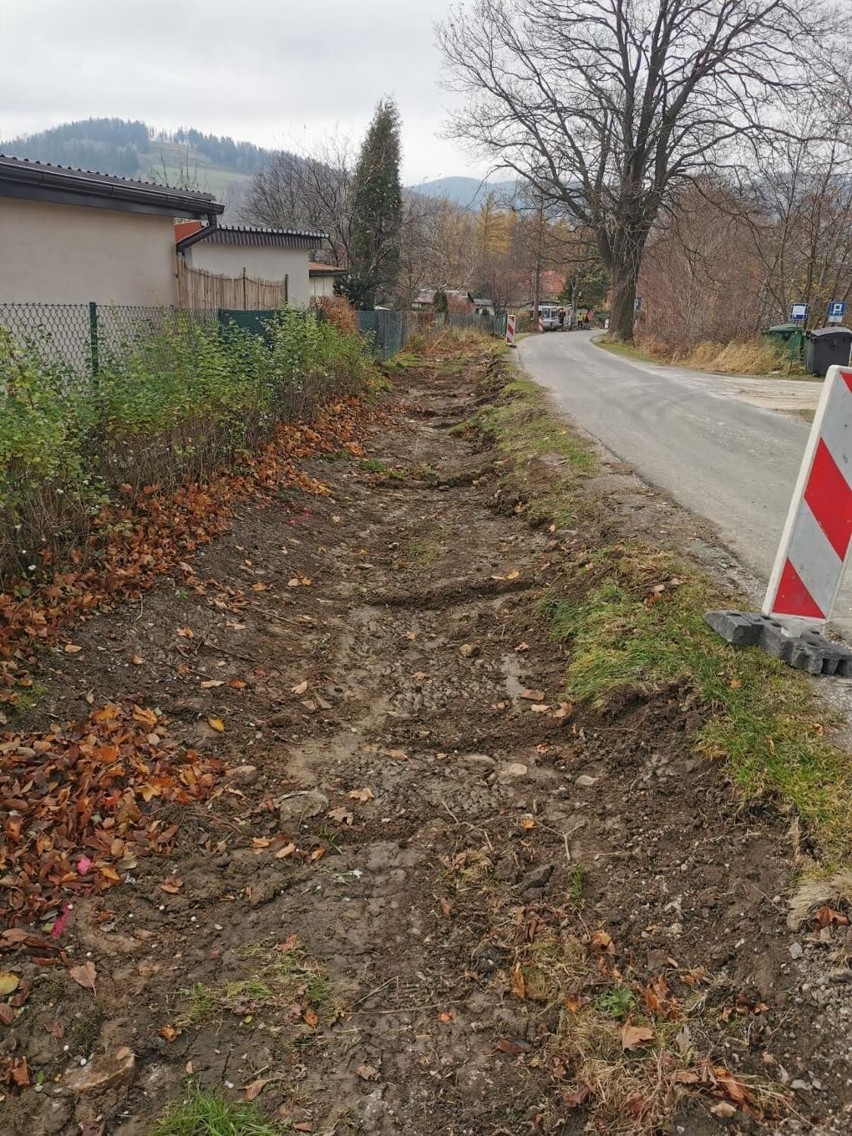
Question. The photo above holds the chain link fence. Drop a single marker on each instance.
(389, 331)
(75, 339)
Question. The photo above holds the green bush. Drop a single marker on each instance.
(168, 404)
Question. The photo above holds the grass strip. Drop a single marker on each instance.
(204, 1114)
(633, 616)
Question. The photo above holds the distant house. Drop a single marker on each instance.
(459, 303)
(71, 236)
(323, 277)
(551, 284)
(261, 253)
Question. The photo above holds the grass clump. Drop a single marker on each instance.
(627, 350)
(635, 621)
(524, 429)
(633, 617)
(205, 1114)
(292, 978)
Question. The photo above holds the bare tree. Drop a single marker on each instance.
(310, 191)
(798, 207)
(608, 106)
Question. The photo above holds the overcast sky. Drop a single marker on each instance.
(274, 72)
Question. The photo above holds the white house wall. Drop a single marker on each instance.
(262, 263)
(322, 285)
(69, 254)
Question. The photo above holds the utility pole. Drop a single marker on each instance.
(538, 256)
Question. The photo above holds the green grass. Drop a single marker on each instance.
(277, 979)
(523, 429)
(201, 1001)
(625, 349)
(616, 1003)
(760, 716)
(203, 1114)
(577, 885)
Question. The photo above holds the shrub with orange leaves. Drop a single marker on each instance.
(339, 312)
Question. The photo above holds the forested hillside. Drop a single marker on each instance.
(187, 157)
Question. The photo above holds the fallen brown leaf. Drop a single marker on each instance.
(84, 975)
(300, 687)
(8, 982)
(72, 648)
(367, 1072)
(361, 795)
(256, 1087)
(341, 814)
(217, 724)
(634, 1036)
(533, 695)
(170, 1033)
(210, 683)
(513, 1046)
(519, 985)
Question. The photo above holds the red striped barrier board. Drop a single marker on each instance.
(816, 540)
(510, 330)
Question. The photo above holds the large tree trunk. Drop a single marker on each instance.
(624, 261)
(623, 309)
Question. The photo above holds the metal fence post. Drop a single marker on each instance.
(93, 336)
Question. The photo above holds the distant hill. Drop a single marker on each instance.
(467, 192)
(187, 158)
(190, 159)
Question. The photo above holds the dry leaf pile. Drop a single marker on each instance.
(79, 805)
(148, 533)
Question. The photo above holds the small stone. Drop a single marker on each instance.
(242, 774)
(296, 807)
(840, 974)
(469, 650)
(537, 878)
(796, 950)
(106, 1071)
(800, 1086)
(585, 781)
(511, 772)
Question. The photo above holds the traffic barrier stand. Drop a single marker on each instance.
(813, 551)
(510, 329)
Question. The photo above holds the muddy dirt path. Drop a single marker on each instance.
(423, 863)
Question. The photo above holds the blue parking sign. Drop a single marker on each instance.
(836, 311)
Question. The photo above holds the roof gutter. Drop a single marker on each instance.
(199, 235)
(170, 201)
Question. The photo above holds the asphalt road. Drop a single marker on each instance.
(710, 442)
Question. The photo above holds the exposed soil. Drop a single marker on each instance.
(363, 917)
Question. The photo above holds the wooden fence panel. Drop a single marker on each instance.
(199, 290)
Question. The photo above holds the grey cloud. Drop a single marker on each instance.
(267, 71)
